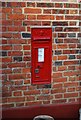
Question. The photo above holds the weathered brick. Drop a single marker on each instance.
(26, 35)
(58, 5)
(4, 53)
(45, 5)
(71, 56)
(58, 63)
(17, 59)
(16, 4)
(30, 4)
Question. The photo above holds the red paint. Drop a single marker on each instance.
(58, 112)
(41, 55)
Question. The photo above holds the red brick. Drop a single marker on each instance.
(4, 41)
(17, 10)
(17, 47)
(7, 35)
(58, 90)
(16, 16)
(60, 79)
(57, 74)
(71, 17)
(46, 23)
(6, 22)
(54, 58)
(3, 16)
(26, 47)
(58, 29)
(16, 99)
(26, 70)
(64, 57)
(31, 17)
(71, 84)
(30, 98)
(30, 4)
(58, 96)
(71, 5)
(32, 10)
(6, 71)
(72, 23)
(14, 29)
(44, 97)
(62, 46)
(16, 23)
(71, 68)
(12, 65)
(68, 95)
(32, 23)
(26, 81)
(33, 103)
(16, 4)
(57, 85)
(47, 11)
(16, 35)
(59, 101)
(62, 68)
(17, 76)
(71, 40)
(16, 70)
(71, 89)
(7, 10)
(17, 41)
(7, 59)
(17, 93)
(58, 5)
(73, 11)
(45, 91)
(71, 29)
(19, 104)
(15, 53)
(69, 51)
(72, 45)
(45, 17)
(32, 92)
(8, 105)
(70, 62)
(7, 47)
(59, 17)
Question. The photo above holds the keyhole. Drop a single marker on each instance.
(38, 66)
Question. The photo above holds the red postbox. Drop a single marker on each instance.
(41, 51)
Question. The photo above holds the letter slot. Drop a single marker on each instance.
(41, 54)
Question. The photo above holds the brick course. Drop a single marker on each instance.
(17, 19)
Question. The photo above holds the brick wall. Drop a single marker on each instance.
(17, 19)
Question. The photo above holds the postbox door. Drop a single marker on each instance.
(41, 55)
(41, 65)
